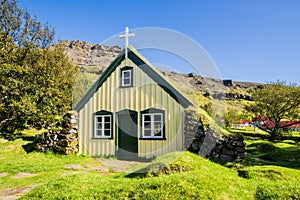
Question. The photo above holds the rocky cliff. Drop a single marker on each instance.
(95, 58)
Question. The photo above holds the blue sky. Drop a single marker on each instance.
(253, 40)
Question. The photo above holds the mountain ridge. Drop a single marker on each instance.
(95, 58)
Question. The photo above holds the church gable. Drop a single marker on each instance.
(127, 76)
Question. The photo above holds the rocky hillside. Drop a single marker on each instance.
(218, 89)
(95, 58)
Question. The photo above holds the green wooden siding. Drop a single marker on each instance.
(144, 94)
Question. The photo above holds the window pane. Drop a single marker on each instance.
(107, 119)
(147, 133)
(126, 74)
(126, 81)
(107, 126)
(98, 119)
(157, 125)
(157, 118)
(99, 126)
(147, 118)
(157, 132)
(147, 124)
(106, 132)
(98, 132)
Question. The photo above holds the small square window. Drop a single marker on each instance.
(103, 126)
(152, 125)
(126, 77)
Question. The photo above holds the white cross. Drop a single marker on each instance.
(126, 36)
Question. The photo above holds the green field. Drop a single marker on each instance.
(271, 171)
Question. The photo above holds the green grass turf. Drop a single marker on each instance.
(271, 171)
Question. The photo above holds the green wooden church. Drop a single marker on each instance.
(131, 111)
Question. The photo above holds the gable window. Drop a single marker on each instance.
(153, 124)
(103, 125)
(126, 77)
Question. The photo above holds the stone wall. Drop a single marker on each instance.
(206, 143)
(63, 140)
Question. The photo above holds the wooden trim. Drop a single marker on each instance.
(152, 138)
(108, 138)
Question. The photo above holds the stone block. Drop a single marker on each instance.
(73, 121)
(67, 143)
(226, 158)
(240, 149)
(242, 155)
(240, 143)
(66, 150)
(188, 117)
(228, 152)
(215, 155)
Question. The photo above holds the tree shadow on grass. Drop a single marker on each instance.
(266, 153)
(15, 136)
(28, 147)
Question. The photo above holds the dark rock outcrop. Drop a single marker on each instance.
(207, 144)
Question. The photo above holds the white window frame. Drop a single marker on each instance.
(103, 126)
(130, 78)
(152, 125)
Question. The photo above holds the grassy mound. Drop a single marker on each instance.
(170, 163)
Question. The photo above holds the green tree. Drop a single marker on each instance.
(231, 117)
(36, 77)
(82, 84)
(272, 104)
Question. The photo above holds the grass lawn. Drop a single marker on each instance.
(271, 171)
(14, 159)
(284, 153)
(256, 132)
(249, 131)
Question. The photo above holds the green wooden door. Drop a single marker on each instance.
(127, 136)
